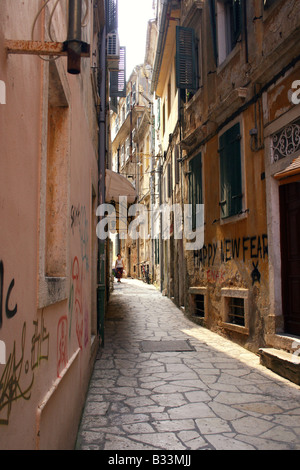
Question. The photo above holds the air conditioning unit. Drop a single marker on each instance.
(113, 51)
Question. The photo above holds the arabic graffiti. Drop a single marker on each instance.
(18, 376)
(62, 344)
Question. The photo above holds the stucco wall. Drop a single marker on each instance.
(47, 246)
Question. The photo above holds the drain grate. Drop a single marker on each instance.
(166, 346)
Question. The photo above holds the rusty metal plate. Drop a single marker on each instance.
(166, 346)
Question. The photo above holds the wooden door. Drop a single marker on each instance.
(290, 255)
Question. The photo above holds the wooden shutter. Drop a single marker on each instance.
(212, 11)
(176, 164)
(186, 70)
(231, 172)
(169, 180)
(118, 78)
(195, 185)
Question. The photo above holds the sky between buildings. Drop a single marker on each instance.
(133, 19)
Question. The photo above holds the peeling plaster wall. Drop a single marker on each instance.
(235, 259)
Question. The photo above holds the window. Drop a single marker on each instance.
(111, 8)
(169, 170)
(199, 305)
(133, 138)
(156, 241)
(169, 98)
(128, 105)
(231, 202)
(235, 309)
(229, 26)
(176, 164)
(186, 59)
(117, 84)
(127, 148)
(122, 155)
(195, 185)
(134, 94)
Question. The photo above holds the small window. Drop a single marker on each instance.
(236, 311)
(199, 305)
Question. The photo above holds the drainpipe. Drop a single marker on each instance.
(160, 43)
(74, 43)
(101, 282)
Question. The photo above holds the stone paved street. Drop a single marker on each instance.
(213, 395)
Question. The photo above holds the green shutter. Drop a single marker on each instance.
(186, 69)
(118, 78)
(231, 172)
(195, 185)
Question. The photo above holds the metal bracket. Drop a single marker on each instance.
(42, 48)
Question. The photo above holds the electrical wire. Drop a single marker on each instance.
(50, 19)
(50, 59)
(87, 10)
(83, 24)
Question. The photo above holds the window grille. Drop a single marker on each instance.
(236, 311)
(199, 305)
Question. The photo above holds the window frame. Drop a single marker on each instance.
(226, 38)
(227, 294)
(233, 215)
(195, 193)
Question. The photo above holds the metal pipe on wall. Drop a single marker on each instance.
(74, 43)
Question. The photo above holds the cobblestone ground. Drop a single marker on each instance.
(215, 396)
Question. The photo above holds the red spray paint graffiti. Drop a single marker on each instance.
(62, 344)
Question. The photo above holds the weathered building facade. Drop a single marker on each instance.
(224, 72)
(50, 190)
(131, 151)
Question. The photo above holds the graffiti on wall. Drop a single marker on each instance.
(62, 344)
(5, 297)
(75, 300)
(17, 378)
(78, 310)
(79, 221)
(215, 255)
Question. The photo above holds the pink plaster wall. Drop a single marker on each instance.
(48, 350)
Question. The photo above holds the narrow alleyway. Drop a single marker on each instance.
(194, 390)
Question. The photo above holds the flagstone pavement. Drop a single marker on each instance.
(214, 395)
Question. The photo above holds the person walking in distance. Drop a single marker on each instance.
(119, 267)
